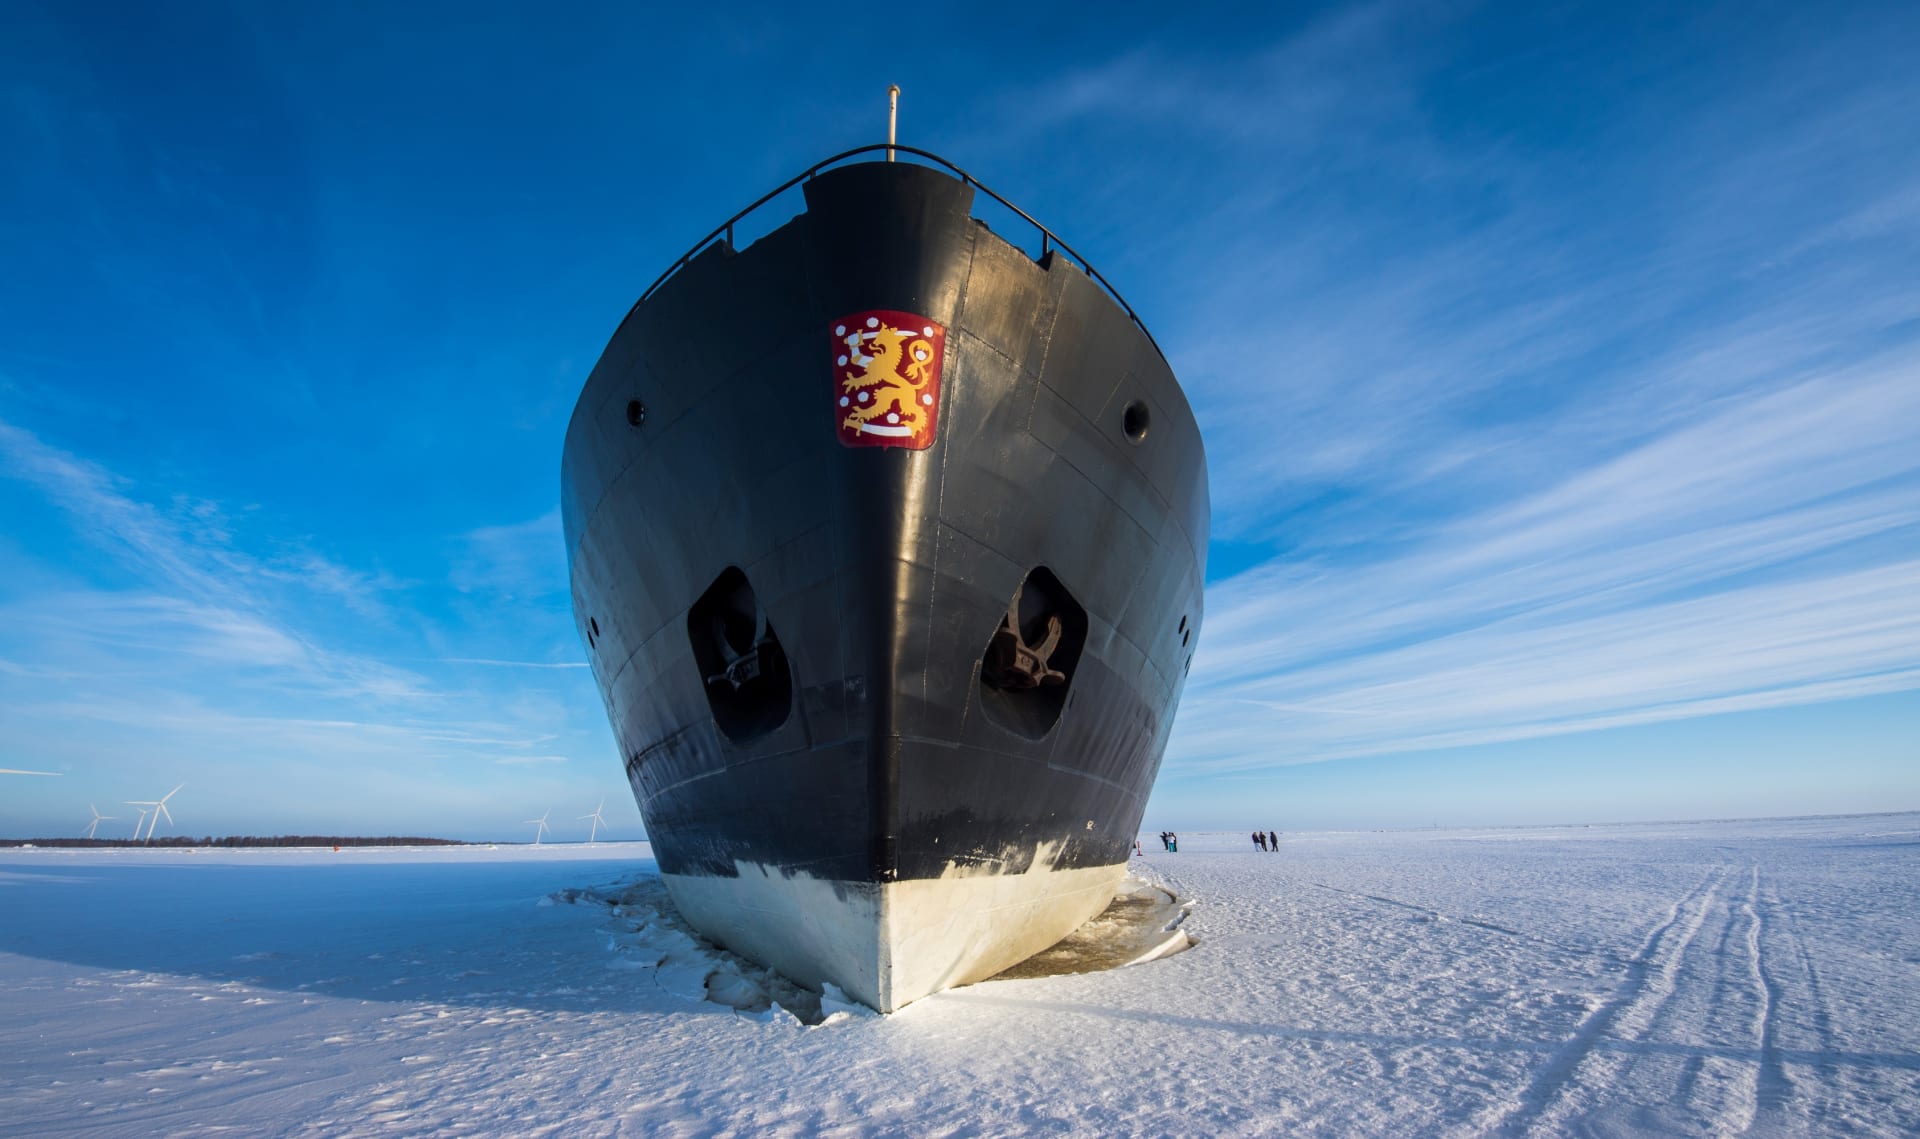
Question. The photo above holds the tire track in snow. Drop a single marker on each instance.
(1652, 976)
(1775, 1087)
(1770, 1085)
(1697, 1078)
(1807, 1005)
(1705, 1044)
(1477, 923)
(1821, 1009)
(1750, 1096)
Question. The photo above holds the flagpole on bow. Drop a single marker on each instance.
(893, 116)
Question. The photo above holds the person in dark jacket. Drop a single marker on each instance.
(1260, 840)
(1273, 841)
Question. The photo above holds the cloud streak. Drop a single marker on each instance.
(1590, 437)
(517, 663)
(1757, 556)
(210, 621)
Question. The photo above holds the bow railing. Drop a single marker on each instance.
(1049, 241)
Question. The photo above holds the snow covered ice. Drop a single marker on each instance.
(1691, 979)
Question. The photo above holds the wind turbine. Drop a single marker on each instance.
(598, 822)
(98, 818)
(159, 808)
(542, 829)
(137, 823)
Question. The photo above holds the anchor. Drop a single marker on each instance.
(741, 668)
(1013, 664)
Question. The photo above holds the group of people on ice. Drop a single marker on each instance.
(1265, 840)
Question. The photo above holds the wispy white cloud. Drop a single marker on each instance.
(15, 668)
(363, 592)
(203, 600)
(186, 726)
(1587, 438)
(517, 663)
(1330, 68)
(128, 635)
(188, 547)
(135, 530)
(1757, 558)
(522, 561)
(1765, 646)
(219, 651)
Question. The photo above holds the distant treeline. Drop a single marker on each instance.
(239, 840)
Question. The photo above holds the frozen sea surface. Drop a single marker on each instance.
(1689, 979)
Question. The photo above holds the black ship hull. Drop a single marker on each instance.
(853, 764)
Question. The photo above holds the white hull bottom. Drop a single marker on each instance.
(888, 943)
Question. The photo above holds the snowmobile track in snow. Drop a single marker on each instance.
(1567, 1079)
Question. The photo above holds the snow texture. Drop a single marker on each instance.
(1674, 979)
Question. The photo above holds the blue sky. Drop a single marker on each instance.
(1559, 367)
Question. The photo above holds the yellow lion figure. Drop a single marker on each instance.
(894, 367)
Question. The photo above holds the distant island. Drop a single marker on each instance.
(237, 840)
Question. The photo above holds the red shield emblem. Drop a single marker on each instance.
(886, 378)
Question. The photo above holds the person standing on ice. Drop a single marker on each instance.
(1259, 840)
(1273, 841)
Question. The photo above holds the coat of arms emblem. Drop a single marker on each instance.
(887, 378)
